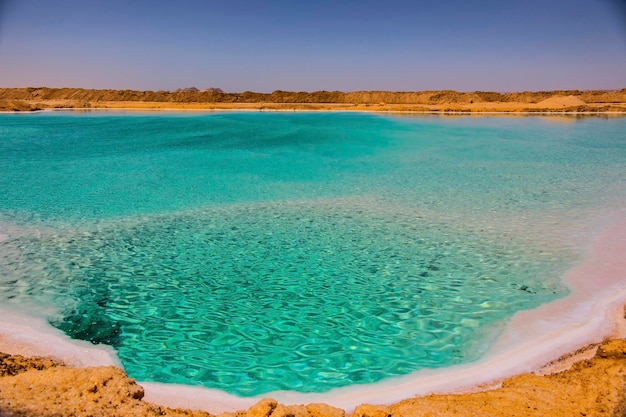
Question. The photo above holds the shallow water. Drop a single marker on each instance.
(257, 252)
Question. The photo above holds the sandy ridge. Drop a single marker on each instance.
(446, 101)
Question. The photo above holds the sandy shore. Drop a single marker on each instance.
(554, 107)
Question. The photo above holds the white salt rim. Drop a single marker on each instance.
(33, 336)
(531, 339)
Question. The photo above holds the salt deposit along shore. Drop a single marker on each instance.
(551, 334)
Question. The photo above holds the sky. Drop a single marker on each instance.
(345, 45)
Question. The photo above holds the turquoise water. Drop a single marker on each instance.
(256, 252)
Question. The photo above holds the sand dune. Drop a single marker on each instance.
(562, 101)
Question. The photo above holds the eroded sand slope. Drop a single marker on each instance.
(44, 387)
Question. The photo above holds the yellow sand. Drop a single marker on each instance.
(592, 387)
(446, 101)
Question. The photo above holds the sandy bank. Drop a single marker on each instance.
(551, 107)
(444, 101)
(591, 387)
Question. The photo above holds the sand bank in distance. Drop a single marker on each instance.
(446, 101)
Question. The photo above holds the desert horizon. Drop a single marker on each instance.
(571, 101)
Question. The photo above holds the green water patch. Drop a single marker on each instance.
(101, 165)
(92, 166)
(304, 296)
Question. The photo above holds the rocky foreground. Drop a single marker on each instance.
(45, 387)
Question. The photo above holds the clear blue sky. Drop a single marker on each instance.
(348, 45)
